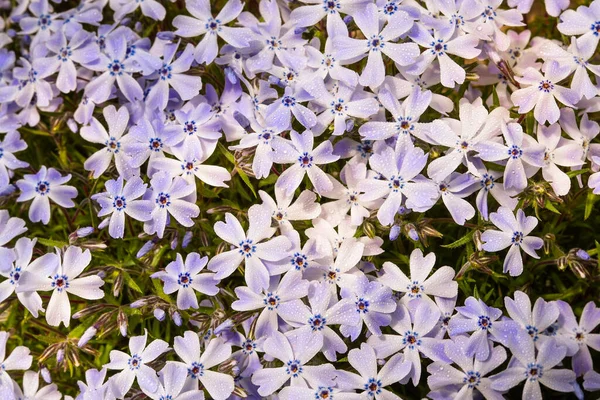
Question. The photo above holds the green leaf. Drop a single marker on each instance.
(460, 242)
(495, 97)
(589, 204)
(51, 242)
(246, 180)
(226, 153)
(573, 174)
(131, 283)
(550, 206)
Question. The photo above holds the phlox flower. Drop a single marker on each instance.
(186, 278)
(327, 65)
(149, 140)
(295, 350)
(281, 298)
(492, 19)
(18, 359)
(316, 10)
(248, 247)
(300, 258)
(485, 323)
(369, 380)
(514, 234)
(32, 88)
(94, 388)
(119, 200)
(373, 302)
(440, 46)
(306, 161)
(542, 91)
(171, 387)
(411, 337)
(284, 209)
(579, 335)
(133, 366)
(279, 113)
(47, 184)
(559, 151)
(32, 391)
(535, 369)
(524, 156)
(10, 227)
(533, 321)
(582, 135)
(198, 363)
(199, 130)
(418, 285)
(168, 195)
(322, 229)
(452, 191)
(113, 141)
(469, 378)
(172, 74)
(376, 43)
(318, 318)
(397, 170)
(61, 276)
(150, 8)
(42, 23)
(114, 66)
(584, 21)
(553, 7)
(80, 49)
(591, 381)
(488, 183)
(22, 262)
(203, 23)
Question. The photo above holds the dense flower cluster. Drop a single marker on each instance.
(358, 120)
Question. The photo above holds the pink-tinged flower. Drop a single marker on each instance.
(10, 228)
(485, 323)
(323, 313)
(172, 74)
(412, 326)
(418, 285)
(533, 321)
(186, 279)
(535, 369)
(469, 379)
(553, 7)
(585, 22)
(452, 191)
(32, 391)
(94, 385)
(488, 182)
(594, 179)
(41, 187)
(284, 210)
(80, 49)
(150, 8)
(203, 23)
(439, 47)
(114, 66)
(582, 135)
(371, 382)
(397, 170)
(405, 116)
(113, 142)
(577, 58)
(22, 262)
(62, 278)
(168, 195)
(513, 234)
(578, 336)
(119, 200)
(373, 302)
(559, 151)
(295, 350)
(133, 365)
(542, 92)
(306, 162)
(493, 19)
(251, 247)
(377, 42)
(18, 359)
(198, 364)
(281, 299)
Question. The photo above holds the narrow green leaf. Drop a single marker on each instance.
(550, 206)
(131, 283)
(246, 180)
(589, 204)
(460, 242)
(51, 242)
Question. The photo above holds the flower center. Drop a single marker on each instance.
(163, 200)
(517, 238)
(484, 322)
(414, 290)
(515, 152)
(396, 183)
(323, 393)
(534, 371)
(376, 43)
(305, 160)
(546, 86)
(155, 144)
(15, 275)
(472, 378)
(43, 187)
(288, 101)
(196, 370)
(213, 25)
(487, 182)
(373, 386)
(189, 127)
(185, 279)
(390, 8)
(165, 72)
(44, 21)
(439, 48)
(299, 261)
(362, 305)
(119, 203)
(317, 322)
(113, 145)
(271, 300)
(294, 368)
(134, 362)
(248, 346)
(246, 248)
(116, 68)
(532, 331)
(411, 339)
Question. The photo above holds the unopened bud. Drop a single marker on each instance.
(159, 314)
(394, 232)
(176, 317)
(87, 336)
(582, 254)
(413, 234)
(187, 238)
(60, 355)
(122, 323)
(46, 375)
